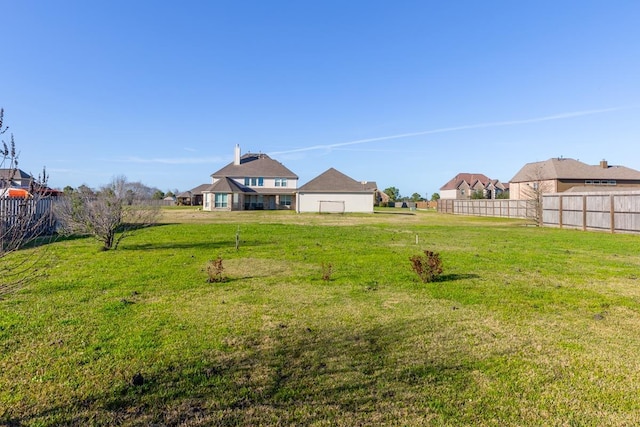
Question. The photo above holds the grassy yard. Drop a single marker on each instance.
(527, 326)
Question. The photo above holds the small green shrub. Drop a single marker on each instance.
(428, 266)
(214, 270)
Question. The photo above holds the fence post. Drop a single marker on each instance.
(584, 213)
(560, 209)
(612, 210)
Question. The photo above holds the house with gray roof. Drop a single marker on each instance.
(332, 192)
(192, 197)
(15, 178)
(251, 181)
(561, 174)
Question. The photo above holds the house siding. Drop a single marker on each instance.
(525, 190)
(448, 194)
(352, 202)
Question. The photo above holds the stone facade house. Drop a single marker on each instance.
(558, 175)
(464, 185)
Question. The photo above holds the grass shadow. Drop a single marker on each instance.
(295, 374)
(393, 213)
(454, 277)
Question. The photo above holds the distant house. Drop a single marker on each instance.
(381, 198)
(15, 178)
(18, 183)
(251, 181)
(463, 185)
(559, 175)
(192, 197)
(333, 191)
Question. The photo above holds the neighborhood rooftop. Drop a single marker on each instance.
(252, 164)
(566, 168)
(337, 182)
(469, 178)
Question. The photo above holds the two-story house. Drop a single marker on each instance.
(558, 175)
(251, 181)
(464, 185)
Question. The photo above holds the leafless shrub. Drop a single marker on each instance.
(23, 220)
(215, 270)
(327, 271)
(427, 266)
(109, 215)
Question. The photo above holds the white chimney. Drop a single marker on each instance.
(236, 158)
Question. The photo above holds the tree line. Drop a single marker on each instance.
(394, 196)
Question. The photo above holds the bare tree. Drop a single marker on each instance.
(533, 192)
(110, 214)
(23, 218)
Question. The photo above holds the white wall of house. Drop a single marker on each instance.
(448, 194)
(528, 190)
(350, 202)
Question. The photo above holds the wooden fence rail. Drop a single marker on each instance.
(504, 208)
(614, 212)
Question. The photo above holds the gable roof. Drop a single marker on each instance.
(255, 165)
(371, 185)
(469, 178)
(194, 191)
(335, 181)
(565, 168)
(497, 184)
(14, 175)
(226, 185)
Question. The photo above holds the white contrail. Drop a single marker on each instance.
(453, 129)
(177, 160)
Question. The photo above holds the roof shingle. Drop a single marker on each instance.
(336, 182)
(565, 168)
(255, 165)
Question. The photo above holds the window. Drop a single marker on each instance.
(281, 182)
(285, 200)
(254, 182)
(221, 200)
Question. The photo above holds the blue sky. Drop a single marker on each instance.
(405, 93)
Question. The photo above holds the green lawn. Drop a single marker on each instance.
(527, 326)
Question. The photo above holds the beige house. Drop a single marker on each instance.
(251, 181)
(335, 192)
(559, 175)
(464, 185)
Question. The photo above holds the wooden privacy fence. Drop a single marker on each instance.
(615, 212)
(34, 216)
(504, 208)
